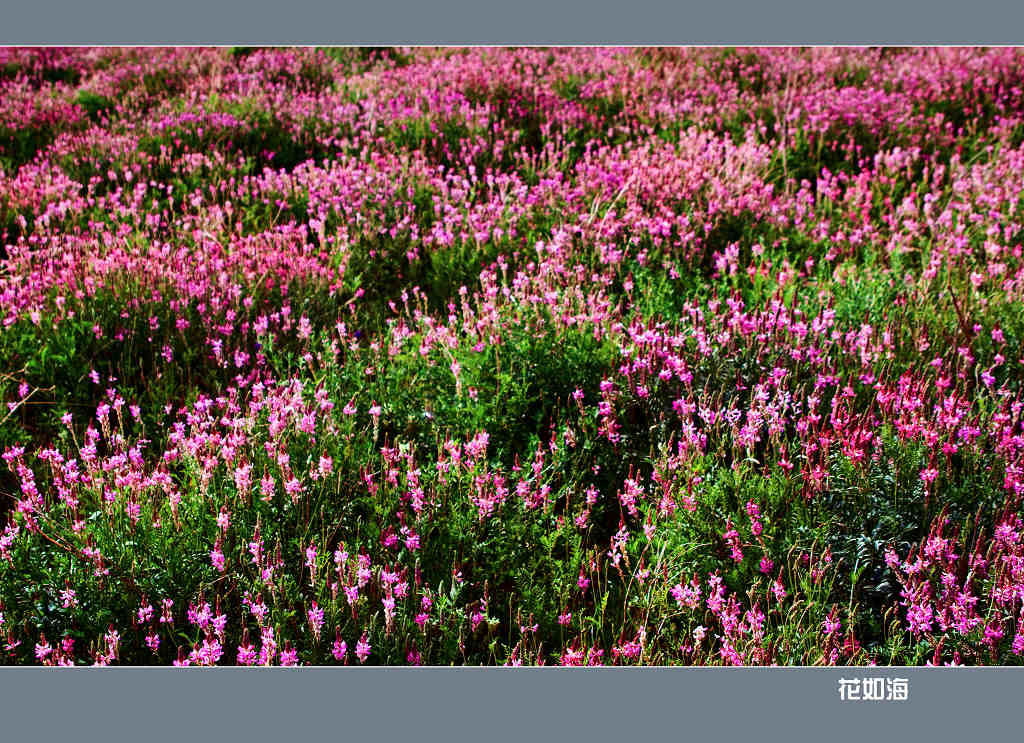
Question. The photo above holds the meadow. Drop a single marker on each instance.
(569, 356)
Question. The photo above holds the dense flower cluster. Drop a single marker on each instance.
(511, 356)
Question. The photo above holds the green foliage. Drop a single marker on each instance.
(96, 106)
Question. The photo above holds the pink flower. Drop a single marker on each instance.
(351, 594)
(363, 649)
(919, 617)
(289, 656)
(732, 538)
(412, 542)
(267, 487)
(325, 465)
(43, 650)
(217, 559)
(1018, 643)
(247, 655)
(583, 581)
(316, 619)
(831, 625)
(339, 650)
(778, 590)
(294, 488)
(686, 596)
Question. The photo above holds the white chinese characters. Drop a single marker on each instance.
(874, 689)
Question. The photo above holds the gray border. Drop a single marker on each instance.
(500, 704)
(656, 22)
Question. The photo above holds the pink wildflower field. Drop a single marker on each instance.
(480, 356)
